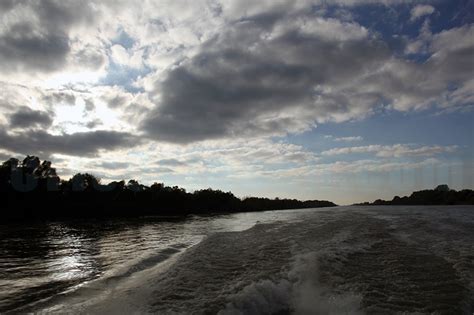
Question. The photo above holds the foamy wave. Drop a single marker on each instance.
(263, 297)
(299, 293)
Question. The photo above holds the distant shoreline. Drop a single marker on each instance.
(31, 190)
(441, 196)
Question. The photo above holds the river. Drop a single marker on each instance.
(342, 260)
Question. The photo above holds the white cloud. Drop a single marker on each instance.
(344, 139)
(344, 168)
(421, 10)
(349, 139)
(121, 56)
(391, 151)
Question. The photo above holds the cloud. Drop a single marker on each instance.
(7, 5)
(93, 123)
(421, 10)
(171, 162)
(54, 98)
(34, 34)
(260, 77)
(245, 70)
(259, 152)
(390, 151)
(123, 57)
(216, 158)
(278, 74)
(114, 96)
(79, 144)
(155, 170)
(349, 139)
(26, 117)
(344, 139)
(447, 73)
(113, 165)
(311, 172)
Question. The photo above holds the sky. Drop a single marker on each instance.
(344, 100)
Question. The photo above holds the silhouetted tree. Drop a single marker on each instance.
(441, 195)
(31, 189)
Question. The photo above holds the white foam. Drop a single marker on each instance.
(300, 293)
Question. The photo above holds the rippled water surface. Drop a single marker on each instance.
(318, 261)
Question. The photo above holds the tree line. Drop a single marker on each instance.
(441, 195)
(31, 189)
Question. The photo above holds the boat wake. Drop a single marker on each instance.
(332, 262)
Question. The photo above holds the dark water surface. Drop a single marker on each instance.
(313, 261)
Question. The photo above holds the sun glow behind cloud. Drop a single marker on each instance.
(60, 80)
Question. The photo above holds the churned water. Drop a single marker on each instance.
(344, 260)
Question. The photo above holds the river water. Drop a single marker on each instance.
(343, 260)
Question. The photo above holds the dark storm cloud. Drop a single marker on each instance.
(228, 87)
(266, 76)
(26, 117)
(19, 50)
(36, 35)
(79, 144)
(6, 5)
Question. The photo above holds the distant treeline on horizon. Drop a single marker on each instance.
(31, 189)
(441, 195)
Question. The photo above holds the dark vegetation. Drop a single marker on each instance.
(441, 195)
(31, 189)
